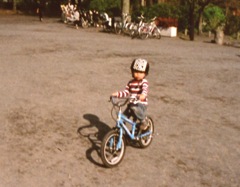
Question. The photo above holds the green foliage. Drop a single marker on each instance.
(158, 10)
(213, 17)
(183, 18)
(53, 8)
(27, 6)
(232, 25)
(104, 5)
(164, 10)
(99, 5)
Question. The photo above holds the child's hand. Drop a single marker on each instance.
(142, 97)
(115, 94)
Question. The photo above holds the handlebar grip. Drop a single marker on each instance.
(117, 103)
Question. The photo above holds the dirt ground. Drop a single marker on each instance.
(55, 82)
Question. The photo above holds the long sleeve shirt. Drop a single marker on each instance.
(135, 88)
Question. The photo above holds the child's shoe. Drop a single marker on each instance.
(144, 125)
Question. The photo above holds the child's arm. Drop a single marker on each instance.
(144, 93)
(142, 97)
(115, 94)
(123, 93)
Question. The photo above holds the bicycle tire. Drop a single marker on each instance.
(84, 24)
(109, 155)
(133, 34)
(118, 28)
(143, 33)
(147, 140)
(157, 33)
(159, 36)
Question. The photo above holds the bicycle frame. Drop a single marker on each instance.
(122, 119)
(114, 143)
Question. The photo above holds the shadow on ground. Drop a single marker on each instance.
(95, 132)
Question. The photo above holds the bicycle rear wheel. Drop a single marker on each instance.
(118, 28)
(84, 23)
(133, 34)
(157, 33)
(143, 32)
(110, 155)
(147, 140)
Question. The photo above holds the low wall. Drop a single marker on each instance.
(170, 31)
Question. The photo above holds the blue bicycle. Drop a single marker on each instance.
(115, 141)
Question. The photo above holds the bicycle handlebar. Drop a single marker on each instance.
(153, 19)
(141, 17)
(117, 101)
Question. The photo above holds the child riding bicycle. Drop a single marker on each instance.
(137, 90)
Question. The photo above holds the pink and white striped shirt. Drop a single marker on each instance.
(135, 88)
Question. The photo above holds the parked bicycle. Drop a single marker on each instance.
(124, 26)
(109, 23)
(137, 28)
(84, 18)
(114, 142)
(150, 30)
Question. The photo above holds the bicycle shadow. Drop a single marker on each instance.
(95, 132)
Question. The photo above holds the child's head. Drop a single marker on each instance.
(139, 68)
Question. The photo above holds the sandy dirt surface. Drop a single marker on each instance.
(55, 82)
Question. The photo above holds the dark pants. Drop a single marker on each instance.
(40, 14)
(137, 111)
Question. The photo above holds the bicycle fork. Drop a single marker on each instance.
(118, 144)
(144, 134)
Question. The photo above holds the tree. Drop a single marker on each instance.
(191, 16)
(202, 4)
(198, 6)
(214, 17)
(103, 5)
(15, 5)
(125, 6)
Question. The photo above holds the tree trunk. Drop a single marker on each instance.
(149, 2)
(202, 4)
(126, 6)
(191, 20)
(219, 36)
(200, 20)
(15, 5)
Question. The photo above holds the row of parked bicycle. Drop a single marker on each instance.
(141, 29)
(119, 25)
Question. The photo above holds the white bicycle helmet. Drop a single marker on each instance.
(140, 65)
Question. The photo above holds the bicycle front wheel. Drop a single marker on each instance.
(145, 141)
(143, 33)
(84, 24)
(111, 155)
(157, 33)
(118, 28)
